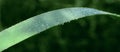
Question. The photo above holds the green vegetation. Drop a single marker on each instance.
(98, 33)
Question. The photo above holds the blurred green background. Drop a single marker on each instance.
(91, 34)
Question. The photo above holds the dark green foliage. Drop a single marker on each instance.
(93, 34)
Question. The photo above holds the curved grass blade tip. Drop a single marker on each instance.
(39, 23)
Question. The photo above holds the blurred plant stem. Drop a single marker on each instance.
(93, 19)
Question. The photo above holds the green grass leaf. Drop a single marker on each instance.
(39, 23)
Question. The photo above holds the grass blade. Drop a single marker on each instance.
(39, 23)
